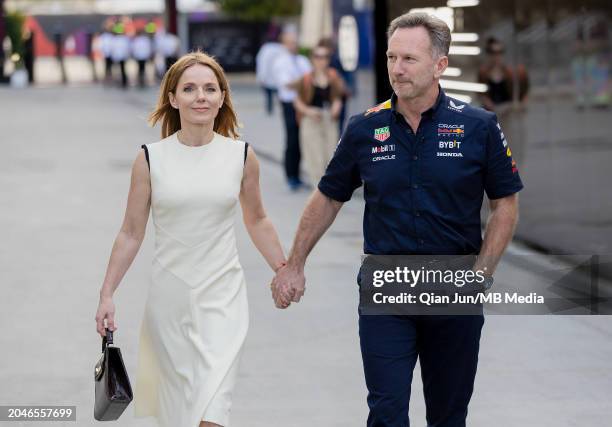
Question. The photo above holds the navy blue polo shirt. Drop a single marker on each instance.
(423, 191)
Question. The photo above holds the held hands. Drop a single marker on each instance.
(288, 286)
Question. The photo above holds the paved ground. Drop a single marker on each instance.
(64, 174)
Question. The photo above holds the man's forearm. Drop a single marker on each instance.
(318, 215)
(498, 234)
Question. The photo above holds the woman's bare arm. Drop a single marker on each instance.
(260, 228)
(127, 242)
(132, 232)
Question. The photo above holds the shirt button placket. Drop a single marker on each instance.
(415, 184)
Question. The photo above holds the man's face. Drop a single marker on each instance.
(412, 68)
(289, 40)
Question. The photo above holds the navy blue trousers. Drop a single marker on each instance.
(292, 142)
(447, 348)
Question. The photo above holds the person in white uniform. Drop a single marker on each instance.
(264, 62)
(142, 51)
(170, 47)
(288, 68)
(105, 42)
(120, 52)
(196, 313)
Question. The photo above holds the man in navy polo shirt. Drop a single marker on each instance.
(425, 160)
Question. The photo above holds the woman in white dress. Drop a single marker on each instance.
(196, 313)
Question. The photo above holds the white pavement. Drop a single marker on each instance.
(64, 175)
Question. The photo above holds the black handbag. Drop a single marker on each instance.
(113, 389)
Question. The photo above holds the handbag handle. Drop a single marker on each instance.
(108, 339)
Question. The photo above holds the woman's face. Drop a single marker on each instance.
(320, 58)
(198, 96)
(496, 53)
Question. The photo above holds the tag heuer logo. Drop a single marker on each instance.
(382, 134)
(455, 106)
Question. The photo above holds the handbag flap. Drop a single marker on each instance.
(99, 368)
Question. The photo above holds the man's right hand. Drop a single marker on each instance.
(289, 283)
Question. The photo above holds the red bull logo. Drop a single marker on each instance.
(451, 130)
(383, 106)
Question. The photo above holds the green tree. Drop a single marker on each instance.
(14, 29)
(259, 10)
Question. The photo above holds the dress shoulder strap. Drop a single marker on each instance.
(146, 150)
(246, 148)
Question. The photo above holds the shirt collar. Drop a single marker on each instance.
(428, 113)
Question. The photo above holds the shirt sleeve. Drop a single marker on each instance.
(502, 178)
(305, 65)
(280, 69)
(342, 175)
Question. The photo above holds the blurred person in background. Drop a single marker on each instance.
(142, 51)
(105, 41)
(120, 51)
(501, 98)
(2, 36)
(590, 66)
(169, 46)
(499, 77)
(264, 62)
(599, 64)
(289, 67)
(318, 107)
(350, 87)
(158, 56)
(28, 53)
(58, 40)
(91, 47)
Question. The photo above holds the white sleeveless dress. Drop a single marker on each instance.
(196, 314)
